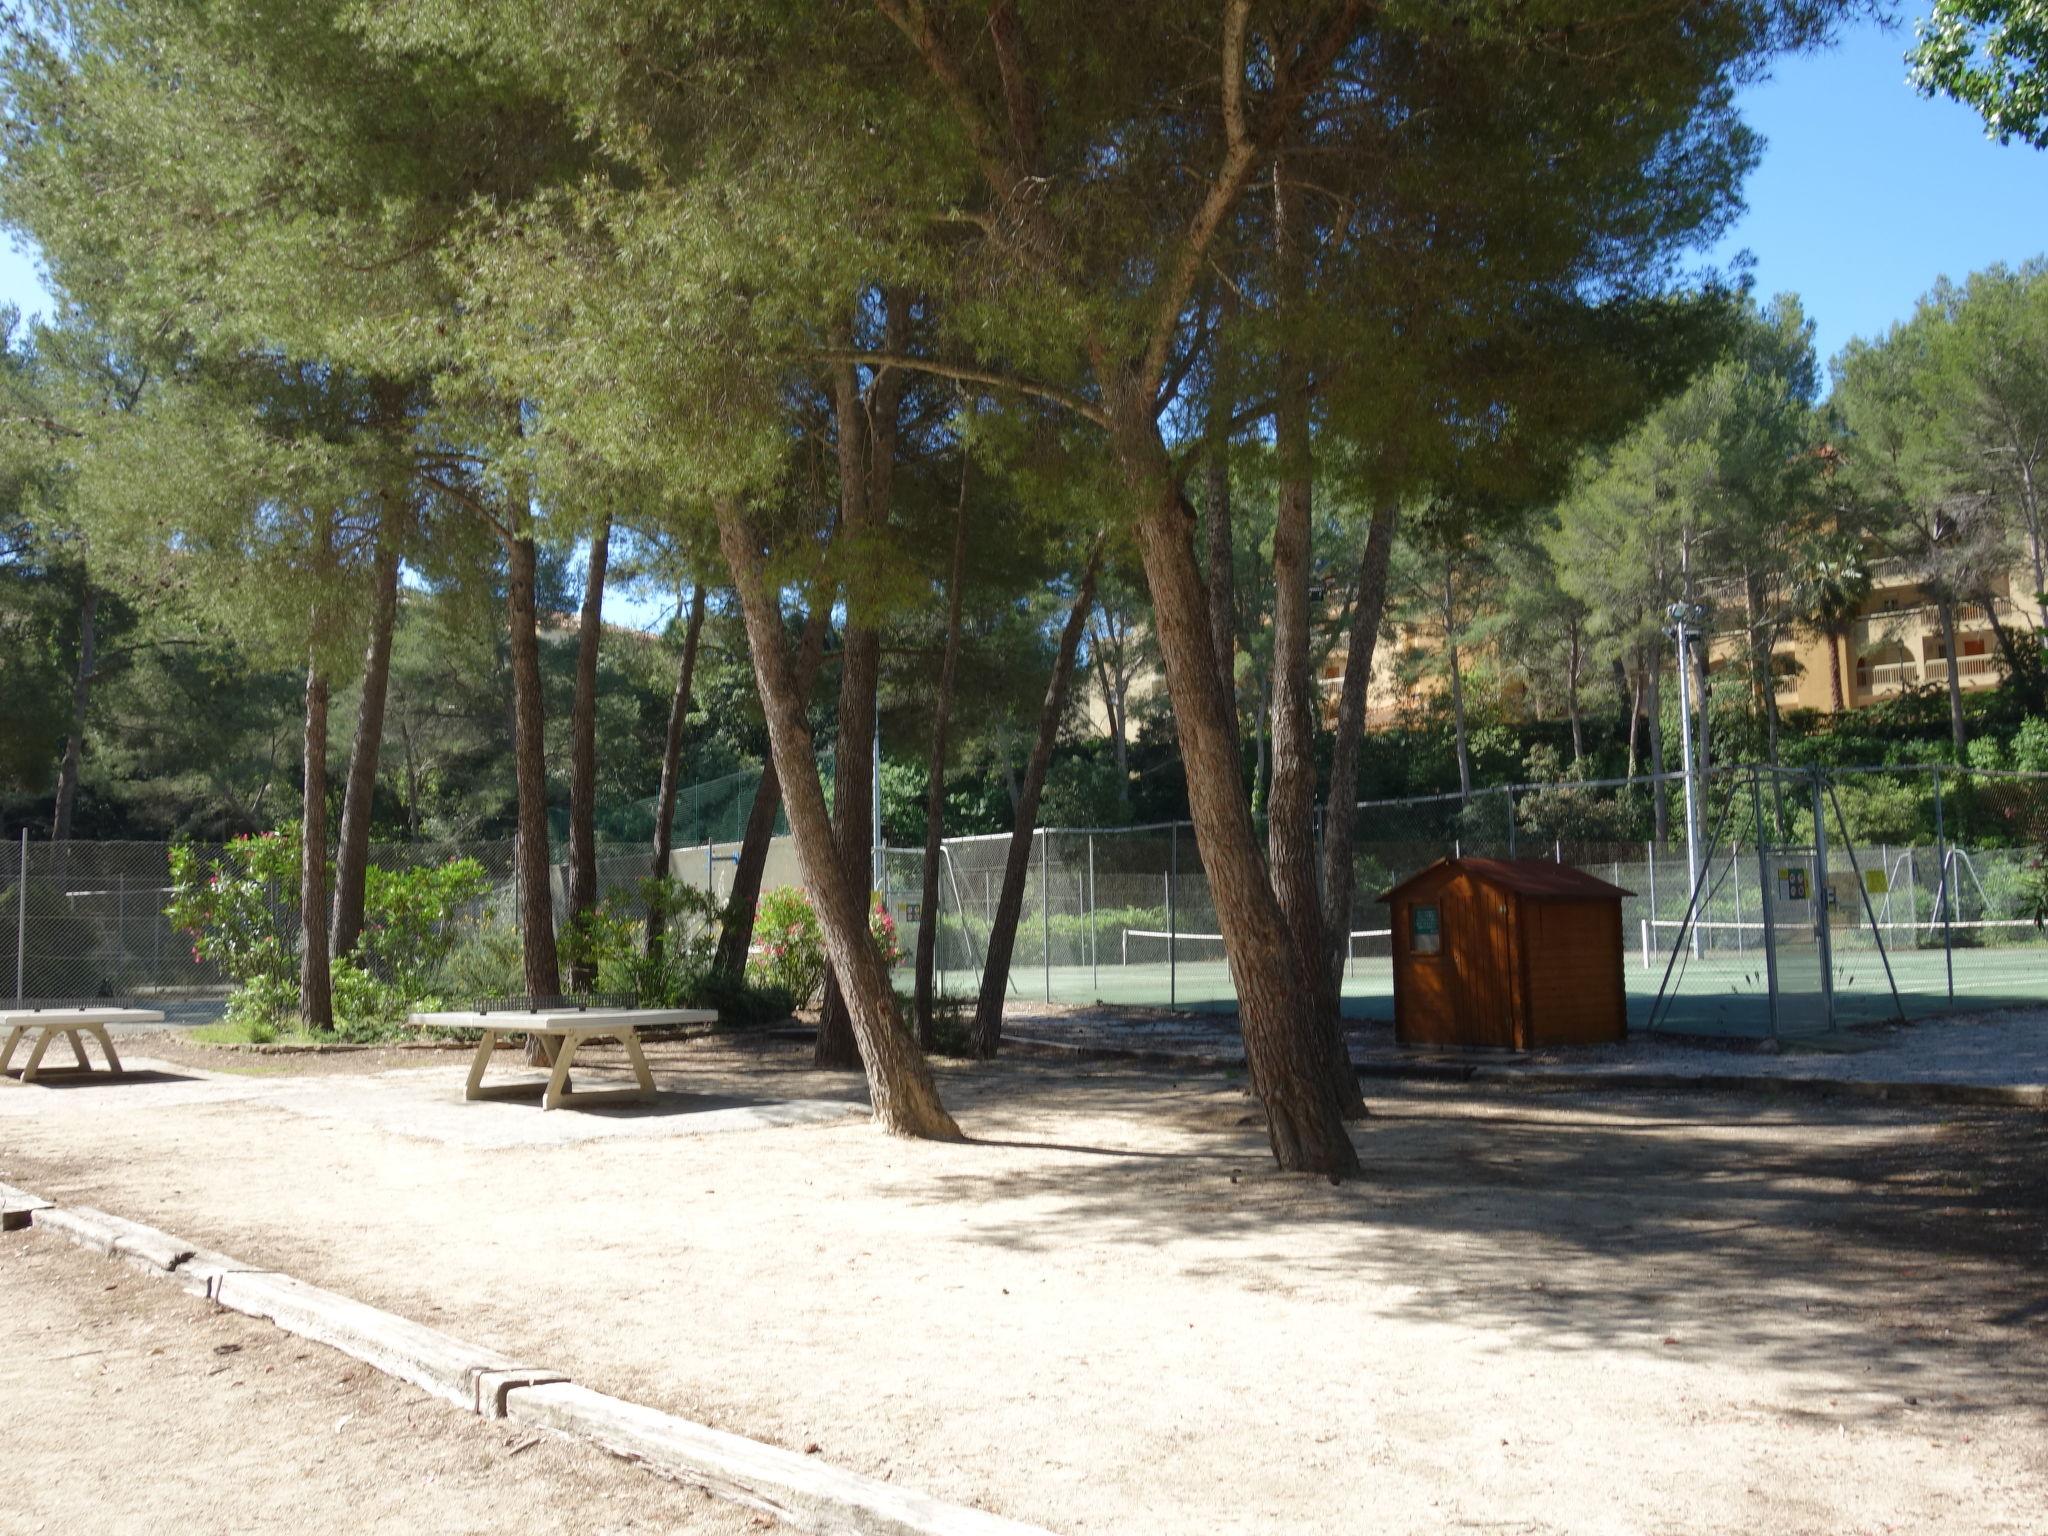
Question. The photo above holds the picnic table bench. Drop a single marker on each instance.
(562, 1032)
(73, 1023)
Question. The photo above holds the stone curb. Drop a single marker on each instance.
(799, 1490)
(2007, 1095)
(804, 1492)
(18, 1208)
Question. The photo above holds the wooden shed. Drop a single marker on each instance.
(1516, 953)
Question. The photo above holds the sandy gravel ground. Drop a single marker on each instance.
(1540, 1312)
(128, 1406)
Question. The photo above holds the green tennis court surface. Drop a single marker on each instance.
(1721, 992)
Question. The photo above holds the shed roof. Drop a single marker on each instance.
(1526, 877)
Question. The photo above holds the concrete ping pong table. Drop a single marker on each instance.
(562, 1031)
(72, 1022)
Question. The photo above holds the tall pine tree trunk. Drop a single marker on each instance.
(935, 782)
(352, 839)
(1220, 551)
(900, 1086)
(316, 983)
(1340, 808)
(865, 439)
(530, 770)
(1286, 1043)
(81, 699)
(1632, 699)
(671, 769)
(583, 755)
(1291, 802)
(1002, 936)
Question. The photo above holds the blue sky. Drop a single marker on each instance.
(1866, 194)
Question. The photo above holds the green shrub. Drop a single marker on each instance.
(263, 1005)
(241, 912)
(409, 926)
(612, 941)
(485, 961)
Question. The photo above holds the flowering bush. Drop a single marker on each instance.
(790, 946)
(882, 929)
(241, 912)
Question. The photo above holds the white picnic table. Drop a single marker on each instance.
(562, 1031)
(72, 1023)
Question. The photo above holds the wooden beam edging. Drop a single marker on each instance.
(802, 1491)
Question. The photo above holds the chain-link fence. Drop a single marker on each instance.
(1814, 899)
(89, 919)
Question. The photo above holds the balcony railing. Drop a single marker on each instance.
(1887, 677)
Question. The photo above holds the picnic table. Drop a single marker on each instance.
(562, 1032)
(72, 1022)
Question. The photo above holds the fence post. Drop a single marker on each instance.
(1651, 845)
(1763, 871)
(1735, 880)
(1172, 925)
(1943, 899)
(1912, 897)
(1094, 935)
(1045, 904)
(21, 926)
(1823, 899)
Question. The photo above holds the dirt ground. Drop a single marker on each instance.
(1538, 1312)
(128, 1406)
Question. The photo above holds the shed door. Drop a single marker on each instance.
(1485, 972)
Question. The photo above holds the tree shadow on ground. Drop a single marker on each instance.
(1886, 1244)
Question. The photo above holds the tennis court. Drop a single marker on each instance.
(1719, 987)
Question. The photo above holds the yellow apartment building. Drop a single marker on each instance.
(1896, 645)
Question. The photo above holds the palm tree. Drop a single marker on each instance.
(1828, 595)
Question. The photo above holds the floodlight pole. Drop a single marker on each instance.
(1685, 619)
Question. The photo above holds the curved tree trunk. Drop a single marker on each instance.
(1221, 547)
(352, 839)
(530, 772)
(900, 1086)
(1340, 808)
(935, 782)
(866, 429)
(852, 819)
(1291, 801)
(316, 982)
(81, 698)
(1286, 1046)
(671, 768)
(2024, 672)
(1002, 935)
(583, 754)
